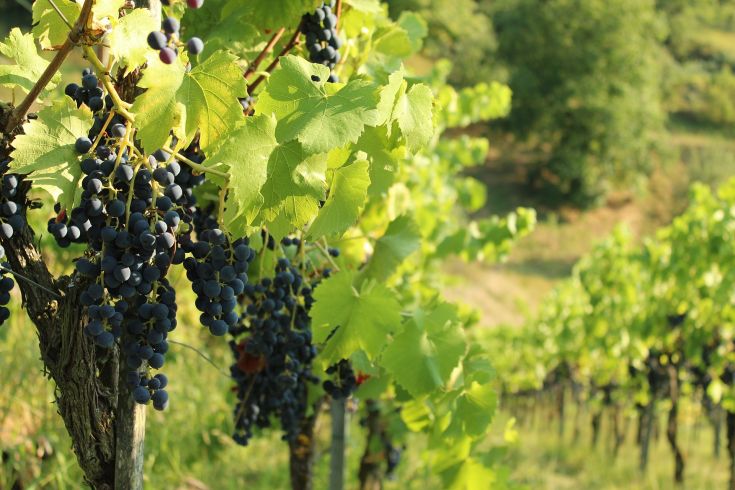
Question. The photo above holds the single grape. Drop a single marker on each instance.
(195, 45)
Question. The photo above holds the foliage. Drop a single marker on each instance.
(585, 80)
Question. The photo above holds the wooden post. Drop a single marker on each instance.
(337, 449)
(129, 437)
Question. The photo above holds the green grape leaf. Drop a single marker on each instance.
(26, 65)
(413, 112)
(347, 194)
(295, 184)
(401, 239)
(363, 318)
(384, 162)
(107, 8)
(307, 112)
(388, 94)
(416, 28)
(367, 6)
(423, 356)
(45, 151)
(245, 154)
(49, 28)
(128, 40)
(269, 14)
(476, 408)
(204, 100)
(468, 474)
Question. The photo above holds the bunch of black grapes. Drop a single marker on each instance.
(344, 382)
(134, 216)
(322, 39)
(6, 285)
(273, 351)
(12, 203)
(166, 41)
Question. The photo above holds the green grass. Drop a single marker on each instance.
(542, 460)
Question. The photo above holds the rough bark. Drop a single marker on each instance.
(647, 421)
(370, 473)
(596, 422)
(672, 426)
(619, 430)
(560, 404)
(301, 453)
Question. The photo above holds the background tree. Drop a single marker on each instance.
(586, 88)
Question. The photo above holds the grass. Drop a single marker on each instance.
(542, 460)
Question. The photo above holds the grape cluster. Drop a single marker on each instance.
(6, 285)
(11, 203)
(134, 216)
(166, 41)
(89, 93)
(322, 39)
(273, 351)
(344, 383)
(217, 269)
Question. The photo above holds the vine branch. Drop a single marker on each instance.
(253, 67)
(196, 166)
(293, 42)
(75, 33)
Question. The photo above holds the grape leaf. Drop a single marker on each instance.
(49, 28)
(413, 112)
(45, 151)
(269, 14)
(388, 94)
(244, 154)
(128, 40)
(27, 66)
(367, 6)
(476, 408)
(416, 28)
(307, 112)
(383, 162)
(401, 239)
(423, 356)
(295, 184)
(347, 194)
(365, 318)
(52, 31)
(468, 474)
(107, 8)
(204, 99)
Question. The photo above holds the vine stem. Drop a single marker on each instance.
(323, 249)
(61, 14)
(202, 355)
(293, 42)
(121, 107)
(197, 166)
(253, 67)
(221, 208)
(19, 113)
(28, 279)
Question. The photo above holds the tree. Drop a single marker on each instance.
(585, 81)
(461, 32)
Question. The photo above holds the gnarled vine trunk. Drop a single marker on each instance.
(370, 473)
(105, 426)
(301, 453)
(672, 426)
